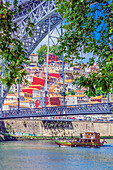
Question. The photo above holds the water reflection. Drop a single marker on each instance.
(46, 155)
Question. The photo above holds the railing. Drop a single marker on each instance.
(84, 109)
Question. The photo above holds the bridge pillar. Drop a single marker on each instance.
(47, 63)
(63, 71)
(108, 99)
(18, 97)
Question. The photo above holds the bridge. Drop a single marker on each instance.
(84, 109)
(45, 18)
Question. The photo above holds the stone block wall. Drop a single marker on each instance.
(74, 128)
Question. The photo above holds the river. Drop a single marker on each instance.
(41, 155)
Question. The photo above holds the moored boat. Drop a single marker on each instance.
(91, 139)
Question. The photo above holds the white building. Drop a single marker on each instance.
(34, 58)
(76, 99)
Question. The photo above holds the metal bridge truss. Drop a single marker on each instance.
(39, 15)
(103, 108)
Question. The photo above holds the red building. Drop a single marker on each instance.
(96, 99)
(36, 87)
(51, 58)
(28, 90)
(38, 81)
(55, 101)
(56, 75)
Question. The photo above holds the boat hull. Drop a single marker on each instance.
(74, 144)
(65, 143)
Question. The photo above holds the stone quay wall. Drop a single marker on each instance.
(49, 128)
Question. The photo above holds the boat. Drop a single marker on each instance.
(91, 139)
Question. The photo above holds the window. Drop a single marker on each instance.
(89, 140)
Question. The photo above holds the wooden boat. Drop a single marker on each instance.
(91, 139)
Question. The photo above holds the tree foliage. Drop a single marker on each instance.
(12, 52)
(42, 51)
(73, 92)
(89, 29)
(53, 49)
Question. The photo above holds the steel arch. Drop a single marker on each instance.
(39, 15)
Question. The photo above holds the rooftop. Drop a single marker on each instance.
(33, 54)
(97, 97)
(81, 95)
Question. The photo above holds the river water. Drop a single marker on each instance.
(41, 155)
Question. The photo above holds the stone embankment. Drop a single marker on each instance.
(55, 128)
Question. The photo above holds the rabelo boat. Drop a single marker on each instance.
(91, 139)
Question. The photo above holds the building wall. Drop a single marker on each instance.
(71, 100)
(34, 57)
(55, 101)
(38, 81)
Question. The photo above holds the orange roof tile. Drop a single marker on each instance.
(37, 85)
(33, 54)
(51, 105)
(69, 81)
(91, 102)
(81, 95)
(11, 95)
(31, 89)
(80, 91)
(6, 104)
(56, 96)
(97, 97)
(51, 90)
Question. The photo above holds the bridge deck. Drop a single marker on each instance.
(84, 109)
